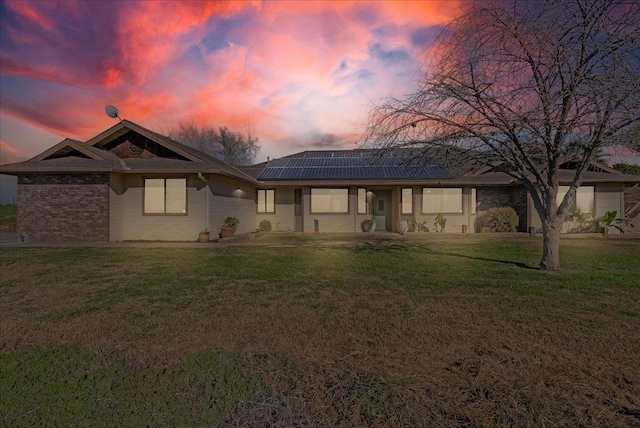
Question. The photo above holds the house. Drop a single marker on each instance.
(129, 183)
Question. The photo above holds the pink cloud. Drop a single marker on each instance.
(149, 33)
(9, 154)
(25, 10)
(292, 70)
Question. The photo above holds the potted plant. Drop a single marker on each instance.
(368, 225)
(204, 236)
(229, 226)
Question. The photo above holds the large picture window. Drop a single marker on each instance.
(165, 196)
(329, 200)
(584, 201)
(407, 201)
(441, 200)
(266, 201)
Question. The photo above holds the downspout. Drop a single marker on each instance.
(206, 201)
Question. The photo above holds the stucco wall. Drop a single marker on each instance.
(63, 207)
(139, 226)
(116, 207)
(332, 223)
(230, 197)
(455, 221)
(283, 219)
(607, 197)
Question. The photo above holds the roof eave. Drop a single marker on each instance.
(54, 170)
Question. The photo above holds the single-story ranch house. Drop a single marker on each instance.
(129, 183)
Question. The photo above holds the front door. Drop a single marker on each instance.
(382, 209)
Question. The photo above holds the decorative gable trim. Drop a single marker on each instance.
(124, 126)
(70, 144)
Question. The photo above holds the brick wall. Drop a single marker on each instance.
(503, 196)
(63, 207)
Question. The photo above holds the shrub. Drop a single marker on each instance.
(441, 221)
(500, 219)
(579, 222)
(417, 226)
(264, 226)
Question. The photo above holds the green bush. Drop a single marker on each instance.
(500, 219)
(264, 226)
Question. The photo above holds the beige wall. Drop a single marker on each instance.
(230, 197)
(138, 226)
(349, 223)
(226, 197)
(284, 217)
(607, 197)
(332, 223)
(455, 221)
(116, 207)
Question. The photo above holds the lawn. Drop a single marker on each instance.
(426, 330)
(8, 218)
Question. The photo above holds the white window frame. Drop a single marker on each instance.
(164, 192)
(266, 201)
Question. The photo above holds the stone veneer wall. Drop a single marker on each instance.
(503, 196)
(63, 207)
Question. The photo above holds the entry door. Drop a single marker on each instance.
(382, 210)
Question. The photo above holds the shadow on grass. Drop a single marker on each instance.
(486, 259)
(382, 245)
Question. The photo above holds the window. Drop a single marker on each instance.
(266, 201)
(584, 198)
(165, 196)
(329, 200)
(362, 201)
(474, 200)
(407, 201)
(441, 200)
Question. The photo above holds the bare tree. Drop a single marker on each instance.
(532, 85)
(232, 147)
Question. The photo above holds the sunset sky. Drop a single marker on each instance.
(302, 75)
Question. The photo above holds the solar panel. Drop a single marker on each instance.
(352, 165)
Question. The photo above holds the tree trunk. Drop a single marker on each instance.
(551, 244)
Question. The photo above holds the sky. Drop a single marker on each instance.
(300, 75)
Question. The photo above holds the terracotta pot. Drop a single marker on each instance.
(227, 231)
(204, 237)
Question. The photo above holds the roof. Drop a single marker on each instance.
(351, 165)
(160, 154)
(151, 152)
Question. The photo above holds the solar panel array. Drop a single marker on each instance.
(359, 165)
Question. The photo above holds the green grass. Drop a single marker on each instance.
(421, 330)
(8, 217)
(69, 386)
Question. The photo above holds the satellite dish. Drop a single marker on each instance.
(112, 111)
